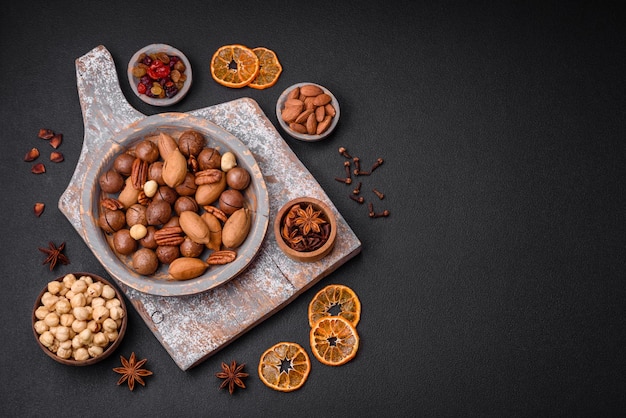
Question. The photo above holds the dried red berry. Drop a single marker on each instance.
(56, 157)
(56, 140)
(32, 155)
(45, 133)
(38, 168)
(39, 207)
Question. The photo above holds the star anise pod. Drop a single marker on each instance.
(55, 255)
(131, 371)
(309, 220)
(232, 376)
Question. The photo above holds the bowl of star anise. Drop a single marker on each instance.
(305, 229)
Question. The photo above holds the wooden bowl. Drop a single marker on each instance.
(153, 49)
(327, 214)
(109, 349)
(160, 283)
(280, 104)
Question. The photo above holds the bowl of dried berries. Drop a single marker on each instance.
(79, 319)
(305, 229)
(159, 74)
(307, 111)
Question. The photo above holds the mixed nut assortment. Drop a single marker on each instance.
(166, 200)
(78, 318)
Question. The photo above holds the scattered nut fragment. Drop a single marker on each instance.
(39, 207)
(38, 168)
(55, 141)
(31, 155)
(45, 133)
(56, 157)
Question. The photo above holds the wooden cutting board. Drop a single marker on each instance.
(192, 328)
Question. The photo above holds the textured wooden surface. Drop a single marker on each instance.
(191, 328)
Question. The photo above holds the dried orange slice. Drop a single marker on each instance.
(269, 70)
(335, 300)
(234, 66)
(284, 367)
(334, 340)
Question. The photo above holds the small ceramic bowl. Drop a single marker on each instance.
(280, 104)
(109, 348)
(326, 214)
(154, 49)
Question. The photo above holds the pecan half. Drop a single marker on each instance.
(208, 176)
(192, 163)
(169, 235)
(221, 257)
(218, 213)
(111, 203)
(142, 199)
(139, 173)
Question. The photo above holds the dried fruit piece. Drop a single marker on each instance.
(56, 140)
(284, 367)
(56, 157)
(334, 340)
(38, 168)
(39, 207)
(45, 133)
(234, 66)
(31, 155)
(269, 69)
(335, 297)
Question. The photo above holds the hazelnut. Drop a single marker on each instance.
(209, 158)
(184, 203)
(167, 194)
(136, 214)
(123, 242)
(123, 164)
(167, 253)
(148, 240)
(147, 151)
(191, 143)
(111, 181)
(189, 248)
(145, 261)
(158, 212)
(111, 220)
(238, 178)
(188, 186)
(231, 200)
(155, 172)
(138, 231)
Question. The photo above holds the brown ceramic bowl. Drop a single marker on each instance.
(108, 350)
(327, 214)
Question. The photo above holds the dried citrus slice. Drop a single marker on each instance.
(334, 340)
(234, 66)
(269, 70)
(284, 367)
(335, 300)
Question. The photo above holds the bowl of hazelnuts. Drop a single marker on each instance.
(79, 319)
(177, 207)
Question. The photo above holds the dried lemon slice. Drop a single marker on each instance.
(269, 70)
(335, 297)
(284, 367)
(234, 66)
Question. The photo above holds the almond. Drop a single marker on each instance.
(311, 124)
(310, 90)
(289, 114)
(330, 110)
(174, 168)
(320, 113)
(236, 228)
(322, 99)
(194, 227)
(293, 102)
(323, 125)
(166, 144)
(185, 268)
(294, 94)
(298, 127)
(303, 116)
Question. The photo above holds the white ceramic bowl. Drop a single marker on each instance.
(280, 104)
(169, 50)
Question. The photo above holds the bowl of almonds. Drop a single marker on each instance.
(79, 319)
(307, 111)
